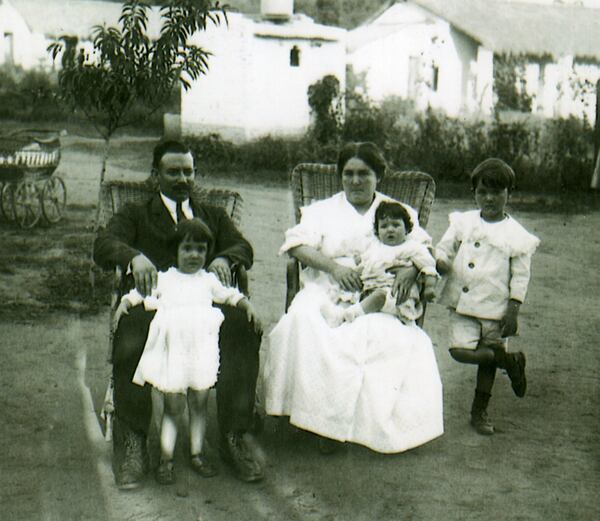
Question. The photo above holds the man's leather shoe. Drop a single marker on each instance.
(236, 453)
(132, 448)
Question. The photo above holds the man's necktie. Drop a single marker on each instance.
(179, 212)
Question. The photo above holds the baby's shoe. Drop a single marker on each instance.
(334, 315)
(165, 472)
(353, 312)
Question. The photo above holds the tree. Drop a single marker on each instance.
(127, 70)
(328, 12)
(325, 103)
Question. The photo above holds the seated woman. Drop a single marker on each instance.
(373, 381)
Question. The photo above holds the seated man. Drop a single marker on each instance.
(137, 239)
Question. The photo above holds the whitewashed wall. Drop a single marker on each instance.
(401, 63)
(251, 89)
(29, 50)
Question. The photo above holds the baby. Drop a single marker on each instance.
(389, 249)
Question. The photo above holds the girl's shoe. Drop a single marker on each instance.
(481, 423)
(203, 466)
(165, 473)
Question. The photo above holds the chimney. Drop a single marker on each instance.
(278, 10)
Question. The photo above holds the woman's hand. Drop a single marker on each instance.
(122, 309)
(510, 323)
(221, 268)
(406, 276)
(144, 274)
(347, 278)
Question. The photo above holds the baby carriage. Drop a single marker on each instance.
(28, 189)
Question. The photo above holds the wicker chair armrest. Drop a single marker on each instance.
(292, 281)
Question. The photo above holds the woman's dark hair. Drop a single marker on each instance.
(167, 147)
(195, 230)
(494, 173)
(367, 152)
(392, 210)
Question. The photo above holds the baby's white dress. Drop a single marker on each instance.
(182, 348)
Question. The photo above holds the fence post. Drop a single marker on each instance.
(596, 175)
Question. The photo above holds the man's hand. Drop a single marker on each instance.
(405, 278)
(510, 323)
(144, 274)
(347, 278)
(122, 309)
(221, 268)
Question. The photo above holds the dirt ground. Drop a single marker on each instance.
(543, 463)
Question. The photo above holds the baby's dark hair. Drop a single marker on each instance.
(392, 210)
(195, 230)
(494, 173)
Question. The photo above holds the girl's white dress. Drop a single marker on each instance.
(373, 381)
(182, 350)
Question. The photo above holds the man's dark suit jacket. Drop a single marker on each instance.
(148, 229)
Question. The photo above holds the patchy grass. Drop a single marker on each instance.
(48, 268)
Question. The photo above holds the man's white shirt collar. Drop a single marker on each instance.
(172, 207)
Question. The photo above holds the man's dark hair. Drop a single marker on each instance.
(168, 147)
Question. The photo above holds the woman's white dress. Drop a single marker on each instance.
(182, 348)
(373, 381)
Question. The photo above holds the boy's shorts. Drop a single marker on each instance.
(466, 332)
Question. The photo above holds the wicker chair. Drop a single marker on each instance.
(116, 194)
(314, 181)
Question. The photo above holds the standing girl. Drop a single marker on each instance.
(487, 257)
(181, 355)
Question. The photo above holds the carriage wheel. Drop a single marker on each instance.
(27, 204)
(6, 201)
(54, 199)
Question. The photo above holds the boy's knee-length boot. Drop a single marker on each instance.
(479, 418)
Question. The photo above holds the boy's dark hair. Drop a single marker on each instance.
(392, 210)
(494, 173)
(195, 230)
(365, 151)
(168, 147)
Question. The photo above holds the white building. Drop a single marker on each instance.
(20, 44)
(259, 73)
(440, 53)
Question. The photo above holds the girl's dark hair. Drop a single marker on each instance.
(195, 230)
(494, 173)
(168, 147)
(392, 210)
(367, 152)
